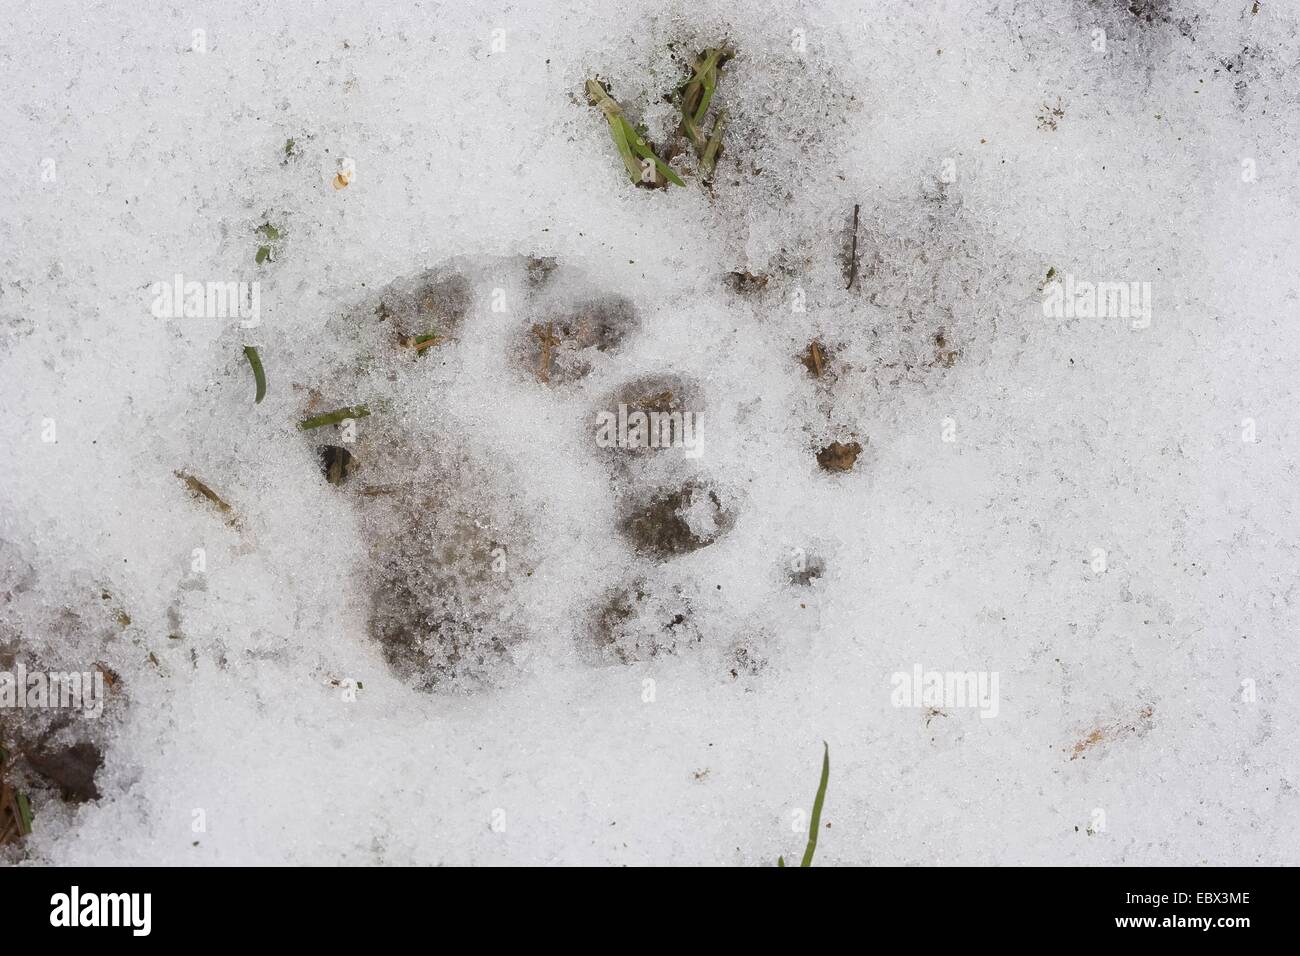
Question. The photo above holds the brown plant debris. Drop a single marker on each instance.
(540, 269)
(1108, 733)
(562, 349)
(839, 456)
(944, 355)
(746, 283)
(1047, 119)
(548, 342)
(419, 342)
(814, 359)
(15, 810)
(337, 463)
(110, 676)
(201, 490)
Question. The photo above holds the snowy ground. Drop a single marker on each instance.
(1097, 509)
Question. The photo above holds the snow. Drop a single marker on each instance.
(1071, 503)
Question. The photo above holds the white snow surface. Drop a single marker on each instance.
(1172, 161)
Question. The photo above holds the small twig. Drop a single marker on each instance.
(419, 342)
(853, 253)
(815, 362)
(199, 488)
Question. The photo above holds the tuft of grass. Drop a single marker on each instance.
(334, 417)
(259, 374)
(629, 142)
(816, 821)
(697, 96)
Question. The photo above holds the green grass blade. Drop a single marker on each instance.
(24, 813)
(617, 128)
(638, 144)
(692, 91)
(817, 807)
(710, 84)
(698, 91)
(600, 97)
(710, 157)
(259, 374)
(334, 417)
(693, 134)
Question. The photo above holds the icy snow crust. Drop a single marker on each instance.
(603, 701)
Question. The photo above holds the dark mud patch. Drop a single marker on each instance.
(442, 561)
(676, 521)
(560, 348)
(838, 457)
(654, 420)
(640, 621)
(431, 303)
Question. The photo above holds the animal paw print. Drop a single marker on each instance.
(445, 544)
